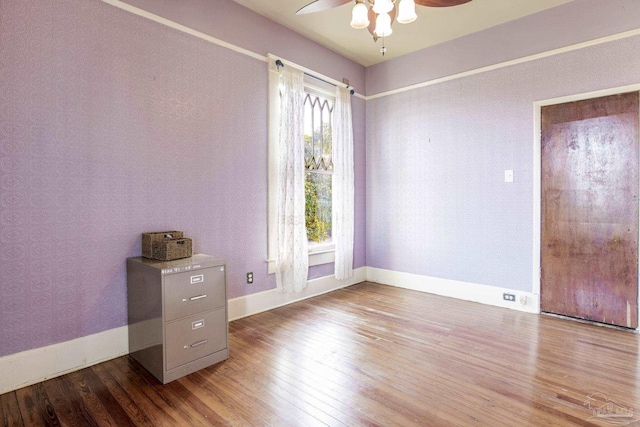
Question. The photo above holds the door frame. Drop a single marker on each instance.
(537, 175)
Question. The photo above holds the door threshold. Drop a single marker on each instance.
(589, 322)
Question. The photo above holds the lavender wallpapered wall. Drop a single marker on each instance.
(111, 125)
(242, 27)
(564, 25)
(437, 203)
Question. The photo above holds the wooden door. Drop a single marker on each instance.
(589, 242)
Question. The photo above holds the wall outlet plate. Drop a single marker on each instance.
(250, 277)
(509, 297)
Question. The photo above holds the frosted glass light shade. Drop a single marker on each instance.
(383, 25)
(406, 11)
(359, 18)
(382, 6)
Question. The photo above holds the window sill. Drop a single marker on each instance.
(317, 257)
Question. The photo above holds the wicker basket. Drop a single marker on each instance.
(148, 239)
(170, 249)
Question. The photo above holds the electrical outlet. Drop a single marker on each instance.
(250, 277)
(508, 297)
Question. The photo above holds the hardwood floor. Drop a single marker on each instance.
(367, 355)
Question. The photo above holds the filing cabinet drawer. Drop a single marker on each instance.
(193, 292)
(195, 337)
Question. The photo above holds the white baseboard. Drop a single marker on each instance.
(484, 294)
(262, 301)
(32, 366)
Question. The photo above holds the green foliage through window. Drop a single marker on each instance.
(317, 191)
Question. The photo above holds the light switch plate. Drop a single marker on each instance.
(508, 175)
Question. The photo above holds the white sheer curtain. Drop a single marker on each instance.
(292, 256)
(343, 185)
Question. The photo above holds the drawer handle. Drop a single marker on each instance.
(196, 344)
(197, 279)
(194, 298)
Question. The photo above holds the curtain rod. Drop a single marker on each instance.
(279, 64)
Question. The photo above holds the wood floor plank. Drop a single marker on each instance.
(87, 399)
(192, 404)
(69, 407)
(223, 391)
(10, 411)
(94, 386)
(324, 394)
(132, 407)
(255, 388)
(377, 393)
(381, 390)
(189, 410)
(306, 410)
(307, 334)
(219, 401)
(128, 373)
(35, 406)
(366, 355)
(386, 368)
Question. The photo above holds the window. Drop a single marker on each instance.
(319, 168)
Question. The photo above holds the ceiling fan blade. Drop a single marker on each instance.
(320, 5)
(441, 3)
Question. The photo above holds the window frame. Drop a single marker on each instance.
(318, 253)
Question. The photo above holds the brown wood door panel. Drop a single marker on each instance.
(589, 242)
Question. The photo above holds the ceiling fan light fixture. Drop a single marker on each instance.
(406, 11)
(377, 16)
(359, 17)
(382, 6)
(383, 25)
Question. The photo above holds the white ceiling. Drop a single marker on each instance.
(434, 25)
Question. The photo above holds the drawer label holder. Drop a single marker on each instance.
(197, 324)
(197, 279)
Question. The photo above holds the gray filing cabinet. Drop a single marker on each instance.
(177, 314)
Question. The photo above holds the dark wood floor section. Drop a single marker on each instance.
(367, 355)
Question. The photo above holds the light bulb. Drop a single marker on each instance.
(383, 25)
(359, 17)
(382, 6)
(406, 11)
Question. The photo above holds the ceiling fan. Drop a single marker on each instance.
(320, 5)
(380, 15)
